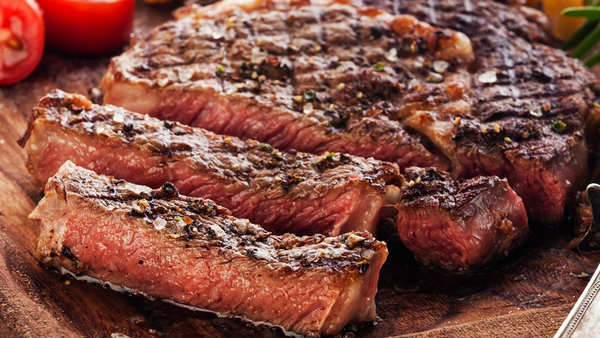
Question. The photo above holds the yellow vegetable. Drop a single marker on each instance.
(562, 27)
(552, 8)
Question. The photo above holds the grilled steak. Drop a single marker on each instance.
(307, 80)
(328, 194)
(194, 252)
(540, 98)
(459, 225)
(338, 78)
(283, 191)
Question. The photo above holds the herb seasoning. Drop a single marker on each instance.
(559, 126)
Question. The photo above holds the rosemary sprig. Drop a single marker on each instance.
(582, 12)
(580, 34)
(594, 59)
(589, 42)
(586, 37)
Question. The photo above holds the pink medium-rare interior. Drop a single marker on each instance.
(129, 252)
(486, 229)
(247, 120)
(344, 208)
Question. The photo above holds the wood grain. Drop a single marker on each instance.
(527, 294)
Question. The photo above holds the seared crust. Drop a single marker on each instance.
(428, 187)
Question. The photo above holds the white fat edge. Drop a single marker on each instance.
(37, 213)
(48, 223)
(220, 315)
(114, 287)
(123, 289)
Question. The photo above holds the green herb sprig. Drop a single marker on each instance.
(586, 37)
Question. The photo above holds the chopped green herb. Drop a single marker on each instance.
(309, 96)
(326, 160)
(559, 126)
(178, 218)
(264, 146)
(220, 71)
(379, 66)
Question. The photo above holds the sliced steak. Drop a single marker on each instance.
(358, 81)
(459, 225)
(283, 191)
(327, 194)
(194, 252)
(307, 79)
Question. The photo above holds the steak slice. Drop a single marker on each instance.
(338, 78)
(283, 191)
(306, 79)
(459, 225)
(193, 252)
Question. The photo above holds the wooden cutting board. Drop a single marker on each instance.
(527, 294)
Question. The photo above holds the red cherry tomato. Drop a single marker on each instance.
(21, 39)
(88, 27)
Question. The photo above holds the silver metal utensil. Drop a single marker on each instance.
(584, 319)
